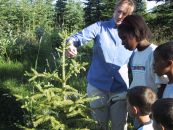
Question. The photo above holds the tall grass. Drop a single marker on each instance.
(10, 70)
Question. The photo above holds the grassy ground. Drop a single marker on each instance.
(11, 83)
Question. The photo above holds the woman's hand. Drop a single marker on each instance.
(71, 52)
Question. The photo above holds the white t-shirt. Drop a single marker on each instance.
(147, 126)
(168, 92)
(142, 68)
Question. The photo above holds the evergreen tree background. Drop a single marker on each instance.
(69, 15)
(140, 7)
(160, 21)
(29, 34)
(97, 10)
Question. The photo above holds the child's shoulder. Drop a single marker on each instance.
(147, 126)
(153, 46)
(150, 49)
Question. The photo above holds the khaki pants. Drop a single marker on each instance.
(103, 111)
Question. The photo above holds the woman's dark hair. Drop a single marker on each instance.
(134, 26)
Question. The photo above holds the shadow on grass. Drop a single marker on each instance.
(11, 112)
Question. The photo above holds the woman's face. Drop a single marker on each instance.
(121, 12)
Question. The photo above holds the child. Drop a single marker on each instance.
(135, 33)
(139, 102)
(163, 65)
(162, 111)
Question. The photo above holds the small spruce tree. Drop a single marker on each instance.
(55, 105)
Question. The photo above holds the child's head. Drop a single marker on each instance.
(140, 100)
(163, 57)
(162, 111)
(133, 30)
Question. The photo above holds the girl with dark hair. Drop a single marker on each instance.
(135, 35)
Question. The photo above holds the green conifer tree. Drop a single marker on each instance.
(55, 105)
(69, 15)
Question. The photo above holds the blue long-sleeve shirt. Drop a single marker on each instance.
(108, 70)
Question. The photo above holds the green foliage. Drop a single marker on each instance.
(53, 104)
(74, 15)
(29, 35)
(140, 7)
(10, 109)
(25, 31)
(14, 86)
(25, 16)
(4, 45)
(108, 9)
(96, 10)
(160, 21)
(93, 11)
(69, 15)
(60, 11)
(11, 70)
